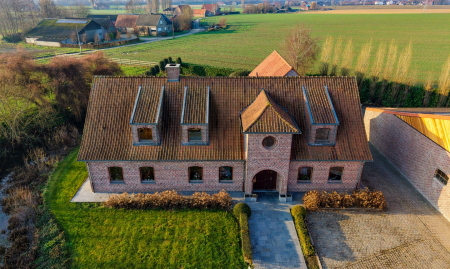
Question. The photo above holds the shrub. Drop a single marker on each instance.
(240, 73)
(16, 233)
(166, 61)
(245, 235)
(298, 210)
(156, 69)
(152, 72)
(162, 66)
(241, 208)
(179, 60)
(170, 59)
(314, 200)
(170, 200)
(303, 236)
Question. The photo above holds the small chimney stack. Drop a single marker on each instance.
(173, 72)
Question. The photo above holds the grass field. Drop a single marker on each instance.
(250, 38)
(108, 238)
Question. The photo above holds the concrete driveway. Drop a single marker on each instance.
(410, 234)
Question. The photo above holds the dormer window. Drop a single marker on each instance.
(321, 117)
(147, 116)
(145, 135)
(322, 135)
(194, 135)
(195, 117)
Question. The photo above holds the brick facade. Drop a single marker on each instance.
(168, 176)
(185, 133)
(416, 156)
(276, 159)
(319, 177)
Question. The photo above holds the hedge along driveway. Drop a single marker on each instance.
(101, 237)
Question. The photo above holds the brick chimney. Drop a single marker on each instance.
(173, 72)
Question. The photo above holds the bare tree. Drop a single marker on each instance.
(149, 7)
(96, 38)
(128, 34)
(81, 11)
(313, 5)
(155, 6)
(48, 9)
(301, 49)
(107, 37)
(243, 4)
(84, 38)
(92, 2)
(118, 35)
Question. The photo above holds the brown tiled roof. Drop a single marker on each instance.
(210, 7)
(266, 116)
(319, 103)
(273, 66)
(126, 21)
(195, 106)
(107, 132)
(198, 11)
(147, 105)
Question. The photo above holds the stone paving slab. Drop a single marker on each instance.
(273, 236)
(411, 233)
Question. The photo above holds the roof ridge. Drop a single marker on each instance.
(262, 112)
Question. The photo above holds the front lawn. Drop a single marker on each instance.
(108, 238)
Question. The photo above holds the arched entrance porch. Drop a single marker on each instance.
(265, 180)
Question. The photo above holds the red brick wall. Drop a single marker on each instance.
(155, 132)
(185, 133)
(319, 177)
(413, 154)
(168, 176)
(276, 159)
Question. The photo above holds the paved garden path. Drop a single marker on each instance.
(410, 234)
(274, 239)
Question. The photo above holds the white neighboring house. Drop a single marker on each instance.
(54, 32)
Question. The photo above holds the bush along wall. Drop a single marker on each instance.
(298, 214)
(242, 212)
(188, 69)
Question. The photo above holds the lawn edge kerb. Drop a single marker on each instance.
(298, 215)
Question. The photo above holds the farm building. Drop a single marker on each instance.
(54, 32)
(113, 18)
(202, 13)
(154, 24)
(177, 10)
(213, 8)
(282, 134)
(147, 24)
(417, 142)
(126, 22)
(274, 66)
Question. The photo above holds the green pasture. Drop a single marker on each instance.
(102, 237)
(248, 39)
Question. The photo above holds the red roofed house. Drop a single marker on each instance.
(213, 8)
(284, 134)
(274, 66)
(417, 142)
(201, 13)
(126, 22)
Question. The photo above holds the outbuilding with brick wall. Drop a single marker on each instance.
(416, 142)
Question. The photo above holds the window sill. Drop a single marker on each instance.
(303, 181)
(440, 182)
(148, 182)
(225, 181)
(196, 181)
(335, 181)
(117, 182)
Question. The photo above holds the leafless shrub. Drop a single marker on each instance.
(223, 22)
(336, 56)
(314, 200)
(362, 63)
(401, 74)
(170, 200)
(18, 198)
(326, 56)
(428, 86)
(444, 82)
(63, 139)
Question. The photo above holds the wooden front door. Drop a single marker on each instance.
(265, 181)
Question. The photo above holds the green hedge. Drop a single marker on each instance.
(205, 71)
(242, 208)
(245, 235)
(303, 236)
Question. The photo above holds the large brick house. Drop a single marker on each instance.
(417, 142)
(284, 134)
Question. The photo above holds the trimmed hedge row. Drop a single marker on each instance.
(205, 71)
(242, 212)
(298, 213)
(245, 235)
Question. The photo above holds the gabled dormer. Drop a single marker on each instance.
(147, 116)
(321, 118)
(195, 117)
